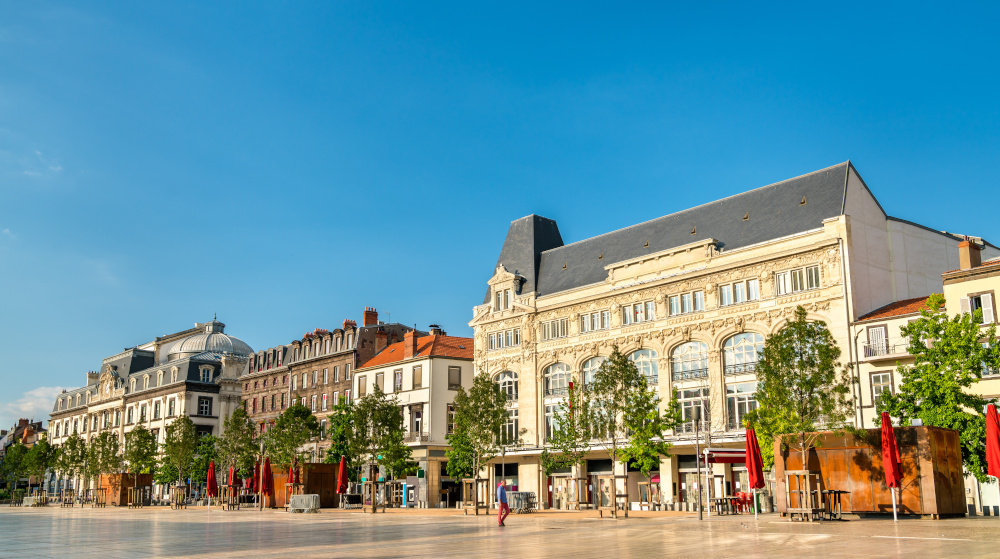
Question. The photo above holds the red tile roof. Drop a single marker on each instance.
(899, 308)
(427, 346)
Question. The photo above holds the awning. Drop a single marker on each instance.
(725, 455)
(655, 478)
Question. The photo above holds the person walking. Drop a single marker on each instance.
(502, 509)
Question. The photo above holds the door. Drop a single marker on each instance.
(877, 341)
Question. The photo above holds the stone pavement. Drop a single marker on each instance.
(161, 532)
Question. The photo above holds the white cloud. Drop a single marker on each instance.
(34, 404)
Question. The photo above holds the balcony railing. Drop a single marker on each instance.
(885, 348)
(740, 369)
(689, 426)
(414, 437)
(692, 374)
(557, 391)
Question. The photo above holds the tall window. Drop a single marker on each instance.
(204, 406)
(881, 382)
(589, 369)
(509, 431)
(508, 384)
(638, 312)
(793, 281)
(315, 378)
(558, 328)
(451, 418)
(740, 400)
(295, 380)
(156, 410)
(170, 407)
(397, 380)
(336, 374)
(324, 402)
(312, 403)
(454, 378)
(551, 420)
(506, 338)
(741, 353)
(689, 360)
(599, 320)
(501, 300)
(645, 361)
(347, 371)
(418, 376)
(326, 376)
(556, 379)
(380, 381)
(362, 389)
(128, 417)
(206, 375)
(739, 292)
(694, 405)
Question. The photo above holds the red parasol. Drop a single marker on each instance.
(255, 484)
(212, 484)
(890, 459)
(231, 481)
(294, 477)
(992, 441)
(268, 481)
(342, 476)
(755, 465)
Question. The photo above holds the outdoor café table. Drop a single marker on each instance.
(832, 498)
(722, 505)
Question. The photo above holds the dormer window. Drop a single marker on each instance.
(501, 300)
(206, 374)
(131, 385)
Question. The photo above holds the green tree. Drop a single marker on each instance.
(949, 356)
(378, 432)
(237, 445)
(801, 387)
(571, 438)
(624, 417)
(104, 456)
(39, 458)
(204, 454)
(13, 465)
(139, 453)
(480, 416)
(179, 447)
(284, 441)
(72, 456)
(340, 432)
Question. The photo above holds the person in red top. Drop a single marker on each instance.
(502, 509)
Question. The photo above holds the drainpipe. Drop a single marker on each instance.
(855, 386)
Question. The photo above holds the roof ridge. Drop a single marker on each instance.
(848, 162)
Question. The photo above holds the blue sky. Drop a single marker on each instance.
(286, 164)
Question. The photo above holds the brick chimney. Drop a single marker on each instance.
(409, 344)
(348, 323)
(968, 255)
(381, 340)
(436, 330)
(370, 317)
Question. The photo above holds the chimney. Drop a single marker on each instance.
(348, 323)
(370, 317)
(409, 344)
(381, 340)
(968, 255)
(436, 330)
(92, 378)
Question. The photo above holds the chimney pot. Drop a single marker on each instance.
(370, 317)
(409, 344)
(969, 255)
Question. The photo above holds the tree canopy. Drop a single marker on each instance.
(480, 416)
(104, 455)
(801, 386)
(237, 445)
(72, 456)
(340, 432)
(950, 355)
(378, 432)
(295, 427)
(179, 446)
(139, 453)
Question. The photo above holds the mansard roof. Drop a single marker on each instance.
(534, 249)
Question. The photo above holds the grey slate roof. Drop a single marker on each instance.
(534, 249)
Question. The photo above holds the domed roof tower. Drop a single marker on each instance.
(212, 339)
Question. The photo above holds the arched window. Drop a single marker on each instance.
(556, 379)
(589, 369)
(689, 360)
(132, 385)
(508, 384)
(159, 378)
(742, 352)
(645, 361)
(145, 382)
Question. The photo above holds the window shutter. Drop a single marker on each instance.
(988, 313)
(966, 305)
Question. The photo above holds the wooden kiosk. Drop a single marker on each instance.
(476, 495)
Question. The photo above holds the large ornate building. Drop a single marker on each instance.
(314, 370)
(194, 372)
(690, 297)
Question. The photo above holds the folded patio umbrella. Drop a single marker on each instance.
(890, 460)
(755, 466)
(992, 441)
(232, 477)
(342, 476)
(211, 484)
(255, 484)
(268, 479)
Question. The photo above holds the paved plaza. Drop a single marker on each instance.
(160, 532)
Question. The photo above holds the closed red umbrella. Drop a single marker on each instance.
(755, 466)
(992, 441)
(295, 472)
(232, 477)
(211, 484)
(342, 476)
(268, 479)
(255, 484)
(890, 459)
